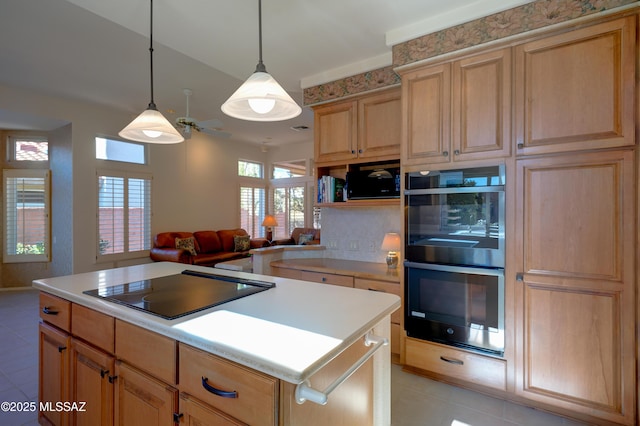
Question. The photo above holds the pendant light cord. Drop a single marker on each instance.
(152, 104)
(260, 67)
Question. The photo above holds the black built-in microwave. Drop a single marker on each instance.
(373, 180)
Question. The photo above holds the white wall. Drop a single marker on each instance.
(195, 183)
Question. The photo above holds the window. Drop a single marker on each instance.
(26, 226)
(124, 215)
(28, 148)
(115, 150)
(289, 169)
(252, 210)
(288, 205)
(250, 169)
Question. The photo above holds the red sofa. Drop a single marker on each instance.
(205, 248)
(312, 235)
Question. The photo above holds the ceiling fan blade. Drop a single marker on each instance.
(215, 132)
(213, 123)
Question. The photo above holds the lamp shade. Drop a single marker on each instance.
(261, 98)
(151, 127)
(269, 220)
(391, 242)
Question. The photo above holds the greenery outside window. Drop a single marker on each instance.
(27, 226)
(289, 207)
(252, 210)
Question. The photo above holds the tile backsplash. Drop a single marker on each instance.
(356, 233)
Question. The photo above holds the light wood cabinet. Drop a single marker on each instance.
(458, 110)
(53, 374)
(194, 412)
(456, 364)
(362, 128)
(317, 277)
(141, 399)
(576, 90)
(396, 317)
(245, 394)
(92, 376)
(575, 294)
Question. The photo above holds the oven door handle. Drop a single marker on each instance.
(455, 190)
(497, 272)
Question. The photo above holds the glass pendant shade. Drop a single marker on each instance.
(151, 127)
(261, 98)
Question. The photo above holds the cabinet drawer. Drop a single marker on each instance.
(285, 272)
(256, 394)
(382, 286)
(319, 277)
(149, 351)
(456, 364)
(196, 413)
(55, 310)
(93, 326)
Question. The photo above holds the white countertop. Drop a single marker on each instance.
(289, 332)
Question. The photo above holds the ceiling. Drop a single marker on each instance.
(97, 51)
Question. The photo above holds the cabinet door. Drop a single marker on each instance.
(195, 412)
(426, 103)
(335, 132)
(92, 371)
(379, 123)
(142, 400)
(482, 106)
(53, 376)
(576, 90)
(575, 297)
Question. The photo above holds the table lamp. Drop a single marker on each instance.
(269, 222)
(391, 243)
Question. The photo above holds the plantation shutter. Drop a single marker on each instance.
(252, 210)
(27, 211)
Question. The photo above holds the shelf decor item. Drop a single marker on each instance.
(391, 243)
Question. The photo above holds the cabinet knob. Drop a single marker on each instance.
(520, 145)
(353, 151)
(519, 276)
(445, 153)
(360, 151)
(456, 152)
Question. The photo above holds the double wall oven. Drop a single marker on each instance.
(454, 257)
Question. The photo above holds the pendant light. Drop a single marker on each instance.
(261, 98)
(151, 126)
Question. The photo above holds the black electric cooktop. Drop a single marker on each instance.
(177, 295)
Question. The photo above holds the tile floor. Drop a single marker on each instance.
(416, 401)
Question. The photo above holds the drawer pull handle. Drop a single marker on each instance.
(304, 391)
(112, 379)
(377, 289)
(61, 348)
(47, 310)
(452, 361)
(103, 373)
(224, 394)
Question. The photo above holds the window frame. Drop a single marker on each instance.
(11, 152)
(145, 150)
(126, 254)
(44, 174)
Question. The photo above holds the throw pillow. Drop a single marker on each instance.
(241, 242)
(305, 238)
(188, 244)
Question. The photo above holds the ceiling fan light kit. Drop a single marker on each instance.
(261, 98)
(151, 126)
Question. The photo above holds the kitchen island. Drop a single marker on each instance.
(296, 343)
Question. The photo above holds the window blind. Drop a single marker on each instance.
(252, 210)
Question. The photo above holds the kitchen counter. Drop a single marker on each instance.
(289, 332)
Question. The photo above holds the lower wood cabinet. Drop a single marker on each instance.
(456, 364)
(194, 412)
(92, 376)
(143, 400)
(53, 378)
(247, 395)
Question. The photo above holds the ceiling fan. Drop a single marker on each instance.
(187, 124)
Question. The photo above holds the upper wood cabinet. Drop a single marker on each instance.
(458, 110)
(576, 90)
(367, 127)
